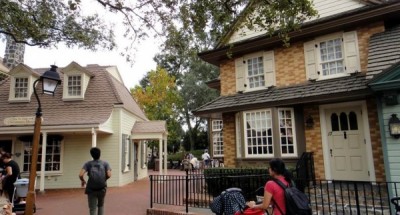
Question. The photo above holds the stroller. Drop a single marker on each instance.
(232, 202)
(396, 202)
(19, 195)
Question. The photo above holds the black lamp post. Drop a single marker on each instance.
(50, 80)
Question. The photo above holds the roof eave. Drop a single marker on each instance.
(385, 10)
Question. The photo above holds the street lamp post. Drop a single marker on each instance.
(50, 80)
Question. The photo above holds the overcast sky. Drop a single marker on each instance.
(42, 58)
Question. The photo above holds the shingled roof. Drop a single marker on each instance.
(384, 51)
(102, 94)
(319, 91)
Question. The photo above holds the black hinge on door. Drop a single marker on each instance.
(345, 135)
(365, 141)
(368, 173)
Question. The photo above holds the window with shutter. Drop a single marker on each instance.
(332, 56)
(255, 71)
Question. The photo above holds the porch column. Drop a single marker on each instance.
(43, 162)
(165, 156)
(160, 156)
(94, 138)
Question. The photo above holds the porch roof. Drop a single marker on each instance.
(349, 87)
(149, 130)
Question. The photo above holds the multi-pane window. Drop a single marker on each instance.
(331, 57)
(255, 72)
(74, 85)
(258, 133)
(52, 157)
(21, 88)
(218, 141)
(286, 134)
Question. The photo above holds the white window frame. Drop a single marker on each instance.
(260, 75)
(242, 71)
(66, 87)
(29, 89)
(126, 152)
(287, 131)
(319, 57)
(259, 125)
(72, 88)
(350, 55)
(27, 165)
(217, 138)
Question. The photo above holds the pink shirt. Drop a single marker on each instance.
(277, 194)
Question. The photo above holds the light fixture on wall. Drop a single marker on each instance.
(309, 121)
(394, 126)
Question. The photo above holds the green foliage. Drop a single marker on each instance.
(200, 23)
(46, 23)
(160, 99)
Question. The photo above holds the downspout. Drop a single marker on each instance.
(94, 138)
(43, 164)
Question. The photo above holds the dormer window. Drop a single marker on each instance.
(21, 88)
(74, 85)
(76, 82)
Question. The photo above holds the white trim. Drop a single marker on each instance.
(368, 147)
(294, 154)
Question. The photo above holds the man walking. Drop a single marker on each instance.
(98, 172)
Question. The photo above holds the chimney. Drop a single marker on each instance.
(14, 53)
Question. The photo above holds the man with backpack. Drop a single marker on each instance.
(98, 172)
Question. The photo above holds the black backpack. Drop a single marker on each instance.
(97, 176)
(296, 202)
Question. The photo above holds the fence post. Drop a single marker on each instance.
(357, 200)
(187, 191)
(151, 191)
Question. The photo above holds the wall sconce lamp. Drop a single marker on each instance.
(309, 121)
(394, 126)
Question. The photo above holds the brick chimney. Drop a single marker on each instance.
(14, 53)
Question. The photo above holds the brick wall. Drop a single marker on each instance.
(289, 62)
(314, 140)
(229, 139)
(376, 143)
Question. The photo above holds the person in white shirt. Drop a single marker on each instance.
(206, 158)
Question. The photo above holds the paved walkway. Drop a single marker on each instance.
(131, 199)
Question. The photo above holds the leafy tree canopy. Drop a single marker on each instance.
(47, 23)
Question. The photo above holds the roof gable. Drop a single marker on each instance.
(73, 66)
(23, 69)
(388, 79)
(325, 8)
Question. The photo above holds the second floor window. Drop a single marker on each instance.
(255, 72)
(21, 88)
(74, 85)
(331, 57)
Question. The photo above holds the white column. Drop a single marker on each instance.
(160, 156)
(165, 156)
(43, 162)
(94, 138)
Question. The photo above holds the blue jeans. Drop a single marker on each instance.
(96, 202)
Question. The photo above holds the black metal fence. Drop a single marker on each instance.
(326, 197)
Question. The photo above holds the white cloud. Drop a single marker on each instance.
(41, 58)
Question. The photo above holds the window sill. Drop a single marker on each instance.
(73, 98)
(46, 174)
(19, 100)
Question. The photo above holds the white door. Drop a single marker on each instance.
(347, 147)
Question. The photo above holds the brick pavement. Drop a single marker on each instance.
(131, 199)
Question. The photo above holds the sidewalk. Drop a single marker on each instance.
(131, 199)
